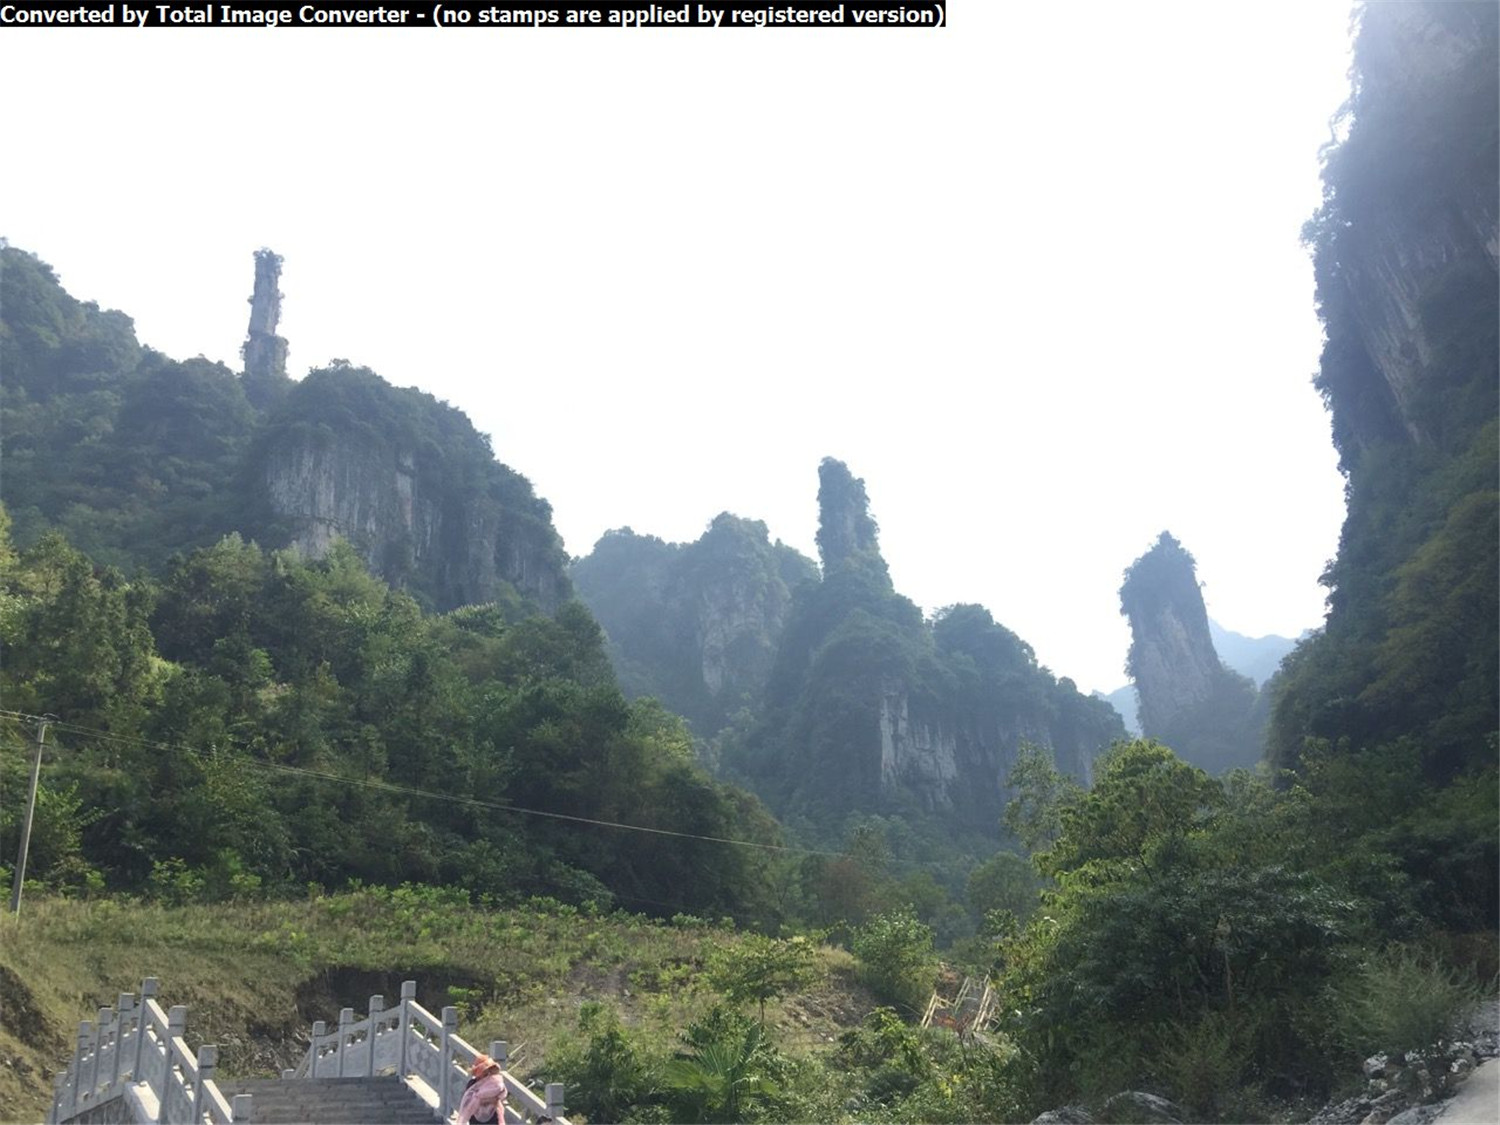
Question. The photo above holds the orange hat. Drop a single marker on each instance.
(483, 1064)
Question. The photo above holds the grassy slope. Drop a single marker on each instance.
(255, 976)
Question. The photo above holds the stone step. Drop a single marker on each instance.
(330, 1101)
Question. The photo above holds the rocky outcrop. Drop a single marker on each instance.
(694, 624)
(1172, 660)
(1398, 255)
(1405, 251)
(847, 699)
(871, 708)
(265, 352)
(951, 754)
(1188, 698)
(845, 527)
(410, 483)
(1417, 1088)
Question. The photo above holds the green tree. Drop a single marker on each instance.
(1041, 792)
(1005, 882)
(607, 1076)
(896, 958)
(760, 968)
(1143, 797)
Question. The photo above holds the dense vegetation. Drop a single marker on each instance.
(258, 720)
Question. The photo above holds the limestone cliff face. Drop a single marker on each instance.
(1411, 221)
(413, 487)
(1405, 249)
(1188, 698)
(695, 624)
(953, 759)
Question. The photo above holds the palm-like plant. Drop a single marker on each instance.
(725, 1065)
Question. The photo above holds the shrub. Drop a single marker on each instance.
(1405, 1000)
(896, 958)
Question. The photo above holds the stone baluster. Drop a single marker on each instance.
(148, 992)
(129, 1017)
(241, 1109)
(346, 1018)
(61, 1109)
(208, 1062)
(176, 1029)
(373, 1010)
(408, 995)
(555, 1107)
(319, 1030)
(445, 1063)
(102, 1027)
(82, 1062)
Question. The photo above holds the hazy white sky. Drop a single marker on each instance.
(1035, 277)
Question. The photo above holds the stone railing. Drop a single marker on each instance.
(133, 1065)
(424, 1049)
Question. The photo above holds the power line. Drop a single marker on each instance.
(414, 791)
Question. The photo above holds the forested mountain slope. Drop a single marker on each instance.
(259, 721)
(854, 705)
(694, 624)
(135, 456)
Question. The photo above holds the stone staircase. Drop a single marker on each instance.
(331, 1101)
(400, 1065)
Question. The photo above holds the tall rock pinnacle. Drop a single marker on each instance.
(1189, 700)
(264, 352)
(845, 527)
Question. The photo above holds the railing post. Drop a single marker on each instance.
(242, 1108)
(555, 1107)
(346, 1017)
(126, 1008)
(319, 1030)
(101, 1034)
(176, 1029)
(81, 1058)
(500, 1052)
(408, 994)
(208, 1061)
(75, 1068)
(148, 992)
(373, 1010)
(445, 1063)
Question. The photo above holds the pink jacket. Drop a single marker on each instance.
(482, 1097)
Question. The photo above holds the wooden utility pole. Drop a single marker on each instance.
(36, 773)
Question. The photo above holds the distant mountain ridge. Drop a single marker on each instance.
(1256, 657)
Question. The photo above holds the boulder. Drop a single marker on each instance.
(1141, 1108)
